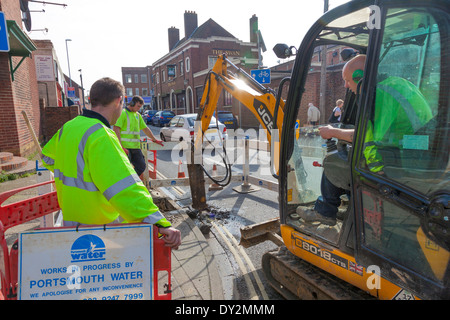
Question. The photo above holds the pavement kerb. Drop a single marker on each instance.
(214, 289)
(214, 278)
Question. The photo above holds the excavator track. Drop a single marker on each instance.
(295, 279)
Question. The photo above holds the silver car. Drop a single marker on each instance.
(181, 128)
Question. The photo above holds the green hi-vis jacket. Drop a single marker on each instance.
(94, 179)
(400, 110)
(130, 124)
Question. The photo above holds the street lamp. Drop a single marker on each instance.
(68, 63)
(82, 88)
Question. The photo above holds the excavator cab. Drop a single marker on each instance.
(392, 236)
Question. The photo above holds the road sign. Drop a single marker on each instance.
(71, 92)
(4, 40)
(261, 75)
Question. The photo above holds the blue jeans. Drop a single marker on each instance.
(328, 203)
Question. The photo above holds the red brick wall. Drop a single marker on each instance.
(8, 126)
(55, 117)
(17, 96)
(335, 90)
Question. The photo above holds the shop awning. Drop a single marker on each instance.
(20, 45)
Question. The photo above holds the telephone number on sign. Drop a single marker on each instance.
(131, 296)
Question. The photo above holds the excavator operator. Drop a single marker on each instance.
(400, 110)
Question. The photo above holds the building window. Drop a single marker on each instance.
(136, 78)
(172, 70)
(211, 61)
(137, 91)
(227, 98)
(128, 78)
(164, 76)
(199, 94)
(143, 78)
(129, 92)
(181, 68)
(157, 78)
(145, 92)
(188, 64)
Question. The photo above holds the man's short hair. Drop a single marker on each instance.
(136, 99)
(339, 101)
(105, 90)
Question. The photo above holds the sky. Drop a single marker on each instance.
(107, 35)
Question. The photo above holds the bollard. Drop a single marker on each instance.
(246, 187)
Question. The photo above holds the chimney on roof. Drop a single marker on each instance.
(254, 29)
(174, 37)
(190, 23)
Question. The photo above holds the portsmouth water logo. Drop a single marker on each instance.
(88, 248)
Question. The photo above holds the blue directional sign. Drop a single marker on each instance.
(4, 40)
(71, 92)
(261, 75)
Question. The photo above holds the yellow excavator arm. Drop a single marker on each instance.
(260, 101)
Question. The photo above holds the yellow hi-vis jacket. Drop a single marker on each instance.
(130, 124)
(400, 110)
(95, 181)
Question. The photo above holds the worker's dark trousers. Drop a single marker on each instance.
(328, 203)
(137, 160)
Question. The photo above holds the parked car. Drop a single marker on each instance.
(227, 118)
(162, 117)
(181, 128)
(148, 115)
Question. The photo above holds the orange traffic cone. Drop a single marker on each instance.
(214, 186)
(180, 172)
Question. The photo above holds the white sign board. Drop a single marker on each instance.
(115, 263)
(44, 68)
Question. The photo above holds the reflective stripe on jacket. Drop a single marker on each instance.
(130, 124)
(94, 179)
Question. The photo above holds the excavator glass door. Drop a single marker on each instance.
(400, 180)
(310, 156)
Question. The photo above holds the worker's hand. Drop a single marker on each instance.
(125, 150)
(327, 132)
(159, 142)
(171, 236)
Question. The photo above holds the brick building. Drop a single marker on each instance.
(53, 85)
(178, 78)
(136, 82)
(50, 77)
(18, 86)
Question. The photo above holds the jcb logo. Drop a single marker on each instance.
(264, 114)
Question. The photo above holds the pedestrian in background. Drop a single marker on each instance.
(95, 181)
(313, 115)
(335, 116)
